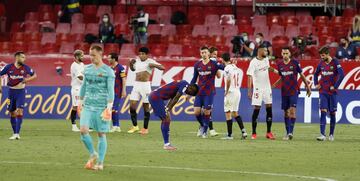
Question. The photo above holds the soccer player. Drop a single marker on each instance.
(214, 56)
(205, 70)
(97, 91)
(259, 89)
(143, 67)
(331, 76)
(232, 96)
(288, 69)
(19, 75)
(120, 89)
(77, 76)
(172, 91)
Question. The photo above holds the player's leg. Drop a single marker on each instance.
(292, 114)
(115, 115)
(240, 124)
(285, 106)
(256, 101)
(211, 127)
(102, 148)
(208, 103)
(199, 113)
(75, 102)
(333, 109)
(268, 103)
(11, 106)
(145, 129)
(324, 105)
(229, 121)
(134, 99)
(20, 104)
(85, 137)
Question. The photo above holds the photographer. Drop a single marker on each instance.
(242, 46)
(346, 50)
(259, 40)
(139, 25)
(300, 45)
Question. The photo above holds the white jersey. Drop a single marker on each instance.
(77, 69)
(233, 73)
(141, 66)
(259, 70)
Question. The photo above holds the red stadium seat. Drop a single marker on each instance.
(185, 39)
(290, 20)
(259, 20)
(169, 39)
(163, 10)
(218, 40)
(199, 30)
(215, 30)
(78, 28)
(82, 46)
(156, 38)
(33, 36)
(31, 27)
(45, 8)
(305, 30)
(47, 16)
(337, 21)
(63, 28)
(158, 49)
(262, 29)
(154, 29)
(67, 48)
(34, 47)
(90, 10)
(18, 36)
(111, 48)
(117, 9)
(321, 21)
(303, 13)
(191, 50)
(92, 28)
(122, 29)
(32, 17)
(349, 12)
(184, 29)
(246, 28)
(102, 9)
(168, 30)
(174, 50)
(212, 10)
(305, 20)
(243, 20)
(287, 12)
(15, 27)
(77, 18)
(212, 20)
(48, 38)
(19, 46)
(63, 37)
(77, 37)
(50, 48)
(121, 18)
(276, 30)
(127, 50)
(5, 47)
(292, 31)
(274, 20)
(202, 40)
(278, 42)
(164, 19)
(230, 31)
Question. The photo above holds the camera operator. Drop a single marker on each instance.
(300, 45)
(259, 40)
(139, 25)
(242, 46)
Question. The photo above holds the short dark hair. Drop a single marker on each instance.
(114, 56)
(144, 50)
(345, 38)
(97, 48)
(226, 57)
(140, 8)
(19, 53)
(260, 34)
(324, 50)
(285, 48)
(212, 49)
(204, 48)
(78, 53)
(262, 46)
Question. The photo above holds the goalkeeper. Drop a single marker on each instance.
(96, 101)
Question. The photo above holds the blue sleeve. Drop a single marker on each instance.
(316, 74)
(219, 65)
(83, 87)
(5, 70)
(111, 85)
(298, 68)
(341, 74)
(29, 70)
(182, 87)
(278, 68)
(195, 76)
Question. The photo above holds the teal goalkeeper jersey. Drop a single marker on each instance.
(98, 87)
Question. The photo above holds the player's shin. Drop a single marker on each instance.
(87, 140)
(199, 118)
(13, 123)
(165, 129)
(115, 118)
(268, 119)
(322, 122)
(146, 119)
(206, 122)
(229, 124)
(240, 122)
(254, 120)
(102, 147)
(73, 116)
(133, 116)
(332, 122)
(19, 120)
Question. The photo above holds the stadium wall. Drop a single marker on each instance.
(49, 96)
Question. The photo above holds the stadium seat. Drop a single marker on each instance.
(164, 19)
(274, 20)
(63, 28)
(349, 12)
(169, 39)
(156, 38)
(78, 28)
(259, 20)
(121, 18)
(246, 28)
(305, 30)
(302, 13)
(276, 30)
(15, 27)
(202, 40)
(92, 28)
(50, 48)
(47, 16)
(102, 9)
(163, 10)
(174, 50)
(277, 43)
(77, 37)
(63, 37)
(230, 31)
(215, 30)
(321, 21)
(82, 46)
(67, 48)
(33, 36)
(77, 18)
(18, 36)
(208, 10)
(290, 20)
(168, 30)
(48, 38)
(127, 50)
(196, 19)
(154, 29)
(158, 49)
(32, 17)
(184, 29)
(212, 20)
(45, 8)
(199, 30)
(185, 39)
(243, 20)
(305, 20)
(5, 47)
(89, 12)
(292, 31)
(34, 47)
(31, 27)
(151, 9)
(190, 50)
(287, 13)
(262, 29)
(217, 40)
(122, 29)
(117, 9)
(19, 46)
(111, 48)
(337, 21)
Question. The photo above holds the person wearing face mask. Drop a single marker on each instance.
(106, 30)
(247, 47)
(346, 50)
(354, 33)
(68, 8)
(259, 40)
(139, 25)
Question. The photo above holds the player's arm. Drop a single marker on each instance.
(156, 65)
(250, 79)
(172, 102)
(307, 85)
(340, 77)
(29, 79)
(228, 81)
(3, 72)
(316, 77)
(106, 115)
(132, 64)
(276, 83)
(81, 96)
(123, 78)
(195, 76)
(272, 69)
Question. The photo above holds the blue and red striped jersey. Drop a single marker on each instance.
(170, 90)
(289, 75)
(16, 75)
(120, 73)
(331, 75)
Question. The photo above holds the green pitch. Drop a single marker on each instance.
(48, 150)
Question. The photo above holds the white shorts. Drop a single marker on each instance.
(75, 96)
(260, 96)
(232, 101)
(142, 89)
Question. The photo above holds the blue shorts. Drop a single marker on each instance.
(328, 102)
(204, 101)
(16, 98)
(288, 102)
(92, 119)
(158, 107)
(116, 104)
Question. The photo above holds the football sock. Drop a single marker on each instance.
(19, 120)
(13, 123)
(133, 116)
(146, 119)
(287, 124)
(200, 120)
(332, 122)
(87, 140)
(292, 125)
(206, 122)
(322, 122)
(73, 116)
(268, 119)
(254, 120)
(211, 127)
(102, 146)
(229, 124)
(165, 128)
(240, 122)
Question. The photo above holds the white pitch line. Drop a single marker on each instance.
(185, 169)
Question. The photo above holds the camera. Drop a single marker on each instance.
(301, 42)
(238, 42)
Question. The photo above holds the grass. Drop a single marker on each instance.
(48, 150)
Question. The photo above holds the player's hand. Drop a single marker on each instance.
(106, 115)
(79, 109)
(123, 94)
(332, 88)
(273, 86)
(308, 91)
(249, 94)
(226, 93)
(132, 61)
(318, 87)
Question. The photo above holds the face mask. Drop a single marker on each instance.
(105, 19)
(246, 38)
(257, 40)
